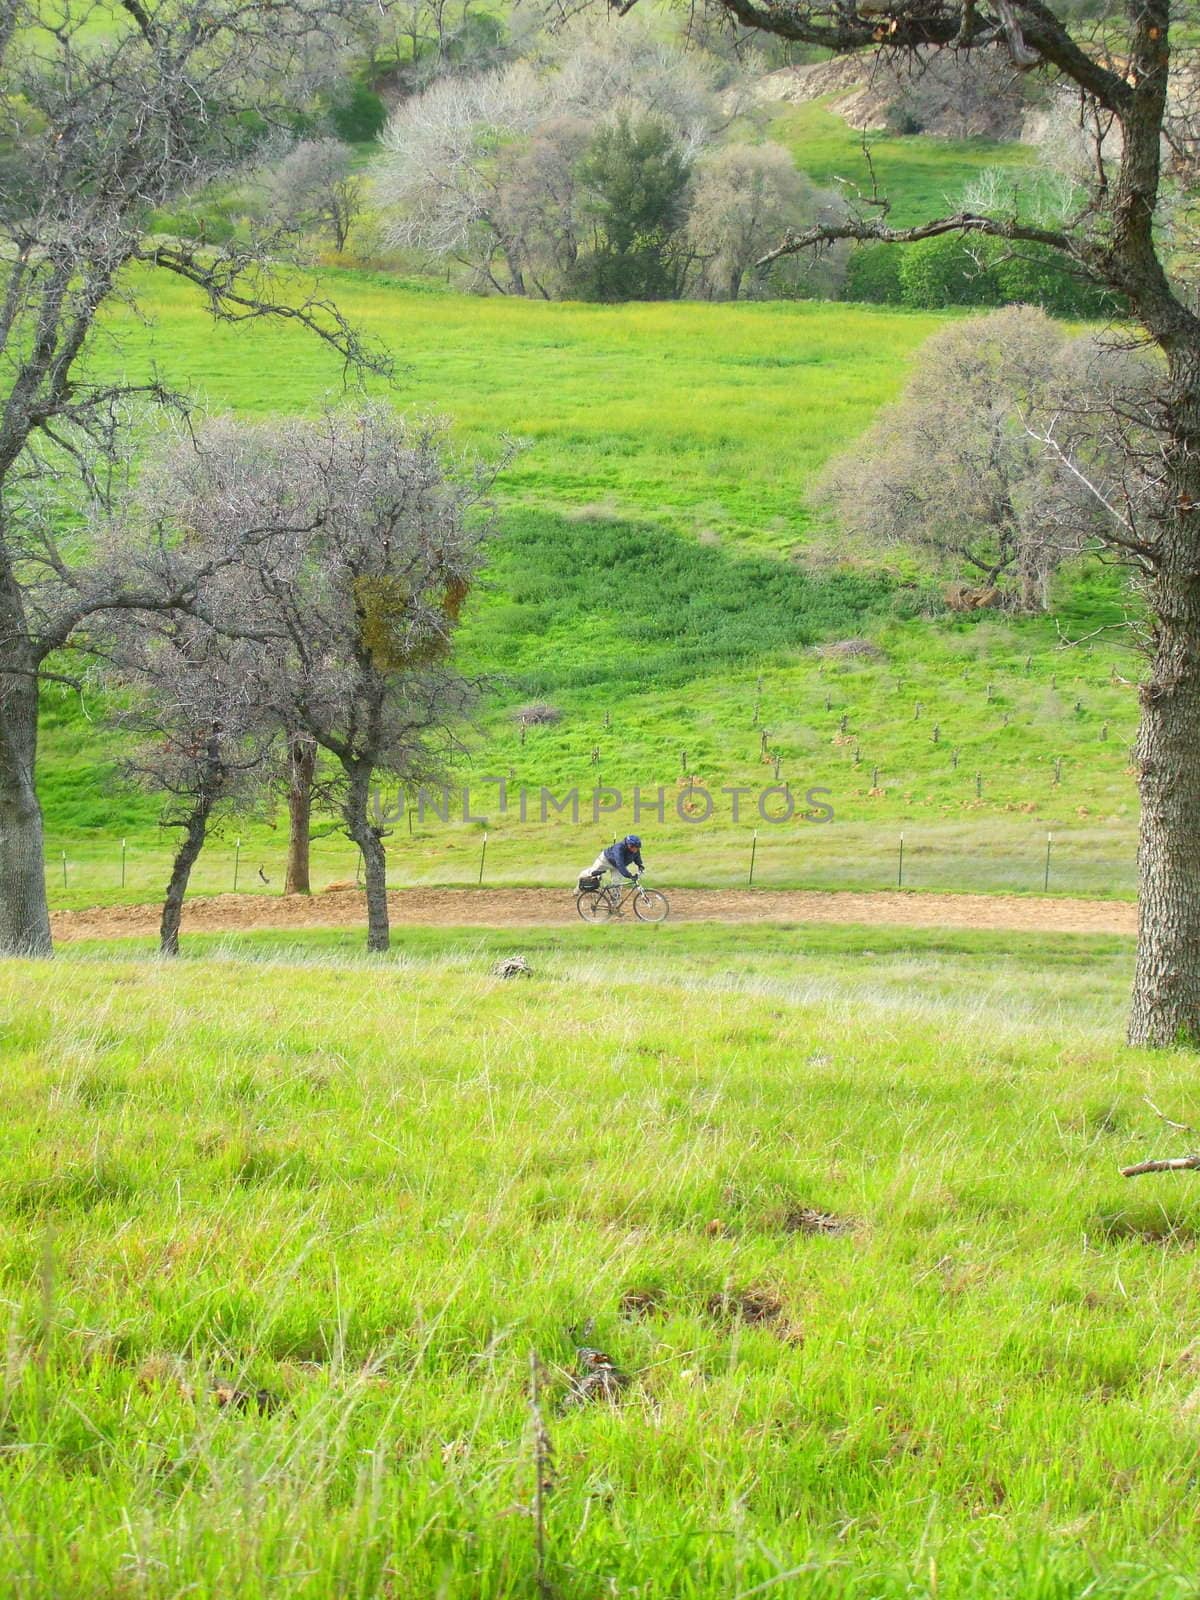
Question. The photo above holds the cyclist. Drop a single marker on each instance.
(617, 860)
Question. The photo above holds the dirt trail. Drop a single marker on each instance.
(520, 908)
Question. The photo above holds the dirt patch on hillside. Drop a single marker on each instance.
(951, 95)
(523, 908)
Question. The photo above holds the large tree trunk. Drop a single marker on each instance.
(369, 842)
(185, 859)
(24, 913)
(302, 762)
(1166, 992)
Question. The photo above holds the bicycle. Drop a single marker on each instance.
(602, 902)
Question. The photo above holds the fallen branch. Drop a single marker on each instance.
(1174, 1164)
(1182, 1127)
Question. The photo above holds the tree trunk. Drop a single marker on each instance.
(516, 276)
(369, 842)
(24, 913)
(1166, 991)
(302, 762)
(185, 859)
(1032, 596)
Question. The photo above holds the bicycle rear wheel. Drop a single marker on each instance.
(593, 905)
(651, 905)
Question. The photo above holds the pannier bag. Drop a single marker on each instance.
(589, 880)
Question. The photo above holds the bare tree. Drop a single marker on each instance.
(744, 196)
(1119, 69)
(540, 204)
(956, 467)
(353, 613)
(101, 124)
(417, 41)
(201, 741)
(441, 175)
(315, 186)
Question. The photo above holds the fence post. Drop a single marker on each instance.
(237, 857)
(64, 867)
(482, 854)
(900, 869)
(1046, 875)
(122, 863)
(753, 852)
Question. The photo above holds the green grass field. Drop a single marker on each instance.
(372, 1190)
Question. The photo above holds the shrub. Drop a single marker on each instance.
(873, 275)
(534, 716)
(357, 115)
(1036, 275)
(949, 270)
(953, 270)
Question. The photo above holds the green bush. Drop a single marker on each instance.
(357, 115)
(949, 270)
(1036, 275)
(478, 42)
(873, 275)
(953, 270)
(202, 224)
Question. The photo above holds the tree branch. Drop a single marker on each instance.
(879, 233)
(1173, 1164)
(1035, 35)
(221, 281)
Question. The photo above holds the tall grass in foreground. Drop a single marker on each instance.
(372, 1189)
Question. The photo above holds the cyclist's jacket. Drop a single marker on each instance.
(619, 857)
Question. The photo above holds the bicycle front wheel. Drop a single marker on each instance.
(650, 905)
(593, 905)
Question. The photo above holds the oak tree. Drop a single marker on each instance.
(1126, 229)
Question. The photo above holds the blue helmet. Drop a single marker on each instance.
(633, 840)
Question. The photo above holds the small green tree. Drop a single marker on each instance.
(357, 114)
(636, 177)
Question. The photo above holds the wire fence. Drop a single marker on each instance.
(1091, 863)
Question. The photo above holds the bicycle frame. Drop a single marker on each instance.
(619, 895)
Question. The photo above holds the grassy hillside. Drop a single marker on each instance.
(921, 175)
(706, 418)
(373, 1191)
(654, 577)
